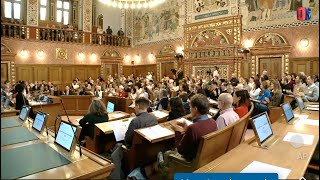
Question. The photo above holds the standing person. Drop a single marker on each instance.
(97, 113)
(142, 119)
(21, 100)
(109, 31)
(120, 32)
(216, 72)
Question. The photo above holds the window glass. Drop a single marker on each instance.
(59, 15)
(59, 4)
(16, 12)
(65, 17)
(43, 12)
(43, 2)
(7, 9)
(66, 5)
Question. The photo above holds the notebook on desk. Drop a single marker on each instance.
(110, 107)
(288, 113)
(262, 129)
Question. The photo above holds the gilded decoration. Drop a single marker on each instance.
(270, 39)
(87, 15)
(61, 53)
(210, 38)
(111, 53)
(32, 13)
(167, 50)
(5, 49)
(202, 70)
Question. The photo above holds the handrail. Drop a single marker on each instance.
(18, 31)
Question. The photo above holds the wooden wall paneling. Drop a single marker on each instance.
(93, 72)
(81, 73)
(24, 73)
(315, 67)
(68, 74)
(301, 65)
(127, 70)
(55, 75)
(246, 69)
(114, 69)
(166, 69)
(4, 72)
(40, 73)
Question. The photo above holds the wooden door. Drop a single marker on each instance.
(246, 69)
(4, 72)
(272, 65)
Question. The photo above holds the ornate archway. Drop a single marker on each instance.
(7, 64)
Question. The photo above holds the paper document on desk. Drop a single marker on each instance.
(213, 111)
(120, 128)
(301, 116)
(312, 108)
(298, 138)
(260, 167)
(186, 120)
(309, 122)
(155, 132)
(159, 114)
(118, 115)
(211, 101)
(313, 105)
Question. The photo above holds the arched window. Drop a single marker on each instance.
(12, 9)
(63, 11)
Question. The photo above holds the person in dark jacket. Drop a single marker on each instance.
(176, 108)
(97, 113)
(164, 100)
(21, 100)
(142, 119)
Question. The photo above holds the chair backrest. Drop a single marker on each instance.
(212, 146)
(239, 130)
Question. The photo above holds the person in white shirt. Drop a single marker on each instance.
(311, 93)
(251, 83)
(227, 114)
(254, 93)
(216, 72)
(98, 92)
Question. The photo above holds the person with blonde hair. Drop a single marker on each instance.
(97, 113)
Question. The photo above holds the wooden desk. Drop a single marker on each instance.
(9, 112)
(162, 115)
(52, 109)
(77, 105)
(121, 104)
(89, 165)
(288, 98)
(281, 154)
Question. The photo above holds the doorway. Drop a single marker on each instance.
(272, 65)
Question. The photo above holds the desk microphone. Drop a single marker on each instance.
(74, 132)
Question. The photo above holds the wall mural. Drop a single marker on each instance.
(261, 13)
(210, 38)
(161, 23)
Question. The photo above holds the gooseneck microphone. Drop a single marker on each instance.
(74, 132)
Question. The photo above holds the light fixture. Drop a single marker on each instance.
(179, 50)
(304, 42)
(81, 55)
(24, 53)
(132, 3)
(248, 43)
(40, 53)
(93, 56)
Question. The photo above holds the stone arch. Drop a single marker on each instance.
(100, 21)
(5, 49)
(270, 39)
(210, 37)
(111, 53)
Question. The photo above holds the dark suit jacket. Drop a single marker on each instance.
(164, 103)
(88, 121)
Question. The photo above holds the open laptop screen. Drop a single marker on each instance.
(262, 126)
(65, 135)
(110, 107)
(287, 111)
(39, 121)
(24, 112)
(300, 103)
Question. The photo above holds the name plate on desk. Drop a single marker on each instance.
(226, 176)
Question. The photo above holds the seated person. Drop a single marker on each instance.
(142, 119)
(264, 98)
(185, 103)
(276, 93)
(311, 93)
(67, 91)
(97, 113)
(215, 91)
(241, 101)
(164, 100)
(187, 138)
(227, 114)
(176, 108)
(122, 92)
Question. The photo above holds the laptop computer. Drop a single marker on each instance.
(300, 103)
(110, 107)
(24, 113)
(262, 129)
(66, 136)
(39, 121)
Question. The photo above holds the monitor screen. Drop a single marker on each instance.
(45, 99)
(287, 111)
(6, 103)
(39, 121)
(262, 127)
(300, 103)
(24, 112)
(65, 135)
(110, 107)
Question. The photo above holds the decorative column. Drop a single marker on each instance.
(80, 16)
(75, 13)
(32, 12)
(87, 15)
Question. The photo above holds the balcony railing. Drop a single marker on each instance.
(18, 31)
